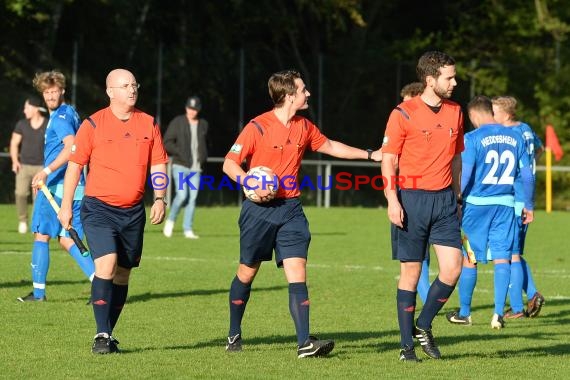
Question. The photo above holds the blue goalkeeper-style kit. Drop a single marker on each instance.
(532, 144)
(521, 276)
(63, 122)
(494, 157)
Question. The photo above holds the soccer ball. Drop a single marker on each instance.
(267, 179)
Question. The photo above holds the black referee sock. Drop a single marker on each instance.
(101, 292)
(239, 295)
(299, 308)
(406, 303)
(437, 297)
(117, 302)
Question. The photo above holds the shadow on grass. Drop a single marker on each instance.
(525, 352)
(348, 339)
(197, 292)
(18, 284)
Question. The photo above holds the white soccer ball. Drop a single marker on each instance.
(267, 180)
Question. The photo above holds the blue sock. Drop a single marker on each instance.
(438, 295)
(467, 282)
(516, 287)
(85, 263)
(101, 293)
(40, 267)
(239, 295)
(406, 303)
(502, 277)
(299, 309)
(423, 283)
(118, 299)
(528, 282)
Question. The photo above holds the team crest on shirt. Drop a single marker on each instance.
(236, 148)
(385, 140)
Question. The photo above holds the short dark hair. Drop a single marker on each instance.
(430, 63)
(412, 89)
(480, 103)
(282, 83)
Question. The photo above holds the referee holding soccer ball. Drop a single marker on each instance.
(278, 139)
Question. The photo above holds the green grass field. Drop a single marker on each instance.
(176, 319)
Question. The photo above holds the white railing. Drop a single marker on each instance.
(324, 169)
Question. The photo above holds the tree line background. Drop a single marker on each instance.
(354, 55)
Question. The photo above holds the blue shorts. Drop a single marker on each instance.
(279, 225)
(430, 217)
(520, 236)
(44, 218)
(111, 229)
(490, 230)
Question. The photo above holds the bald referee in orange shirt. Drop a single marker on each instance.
(424, 139)
(119, 143)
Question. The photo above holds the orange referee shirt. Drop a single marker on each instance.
(277, 147)
(119, 154)
(425, 142)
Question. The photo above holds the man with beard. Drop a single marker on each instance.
(424, 141)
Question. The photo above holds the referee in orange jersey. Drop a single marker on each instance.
(278, 139)
(424, 140)
(119, 143)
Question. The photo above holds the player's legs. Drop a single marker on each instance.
(516, 288)
(423, 283)
(534, 298)
(102, 290)
(409, 245)
(257, 238)
(517, 274)
(467, 283)
(299, 305)
(40, 265)
(445, 236)
(104, 227)
(240, 290)
(85, 263)
(501, 238)
(44, 225)
(449, 259)
(291, 248)
(406, 300)
(529, 286)
(119, 295)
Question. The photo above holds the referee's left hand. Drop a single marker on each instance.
(157, 212)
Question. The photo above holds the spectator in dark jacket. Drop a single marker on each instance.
(185, 142)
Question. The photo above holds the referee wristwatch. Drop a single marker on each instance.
(161, 199)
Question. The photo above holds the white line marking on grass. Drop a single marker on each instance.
(15, 253)
(559, 297)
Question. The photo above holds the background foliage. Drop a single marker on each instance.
(355, 55)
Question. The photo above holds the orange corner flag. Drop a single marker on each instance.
(553, 143)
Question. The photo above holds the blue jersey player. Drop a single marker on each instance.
(59, 139)
(494, 157)
(504, 108)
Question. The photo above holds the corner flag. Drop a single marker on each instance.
(553, 143)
